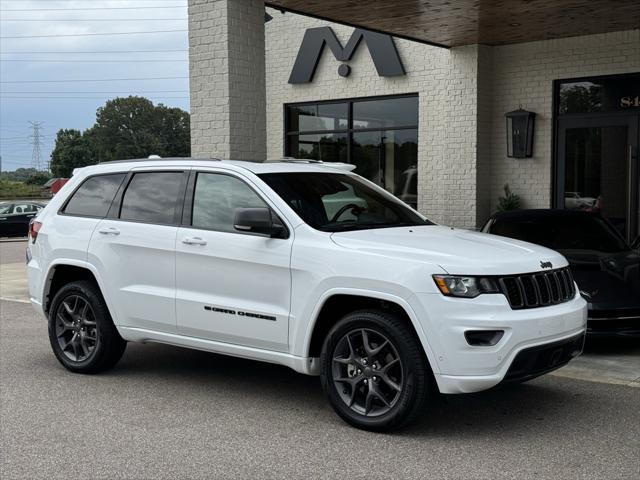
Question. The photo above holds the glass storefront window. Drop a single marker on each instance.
(603, 94)
(392, 112)
(312, 118)
(379, 136)
(389, 158)
(328, 147)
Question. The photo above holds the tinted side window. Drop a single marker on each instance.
(94, 196)
(216, 199)
(152, 197)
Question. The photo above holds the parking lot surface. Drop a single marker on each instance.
(166, 412)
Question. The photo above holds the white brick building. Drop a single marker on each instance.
(243, 106)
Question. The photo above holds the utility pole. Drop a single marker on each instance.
(36, 160)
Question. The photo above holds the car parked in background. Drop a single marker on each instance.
(15, 217)
(575, 201)
(605, 267)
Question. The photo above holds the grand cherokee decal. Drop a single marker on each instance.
(381, 48)
(239, 313)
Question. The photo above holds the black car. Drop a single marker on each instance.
(15, 217)
(605, 267)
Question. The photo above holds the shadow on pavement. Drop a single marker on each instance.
(512, 411)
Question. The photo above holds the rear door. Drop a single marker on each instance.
(134, 248)
(232, 287)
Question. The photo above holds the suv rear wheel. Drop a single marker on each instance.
(82, 334)
(374, 372)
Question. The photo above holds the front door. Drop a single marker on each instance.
(597, 168)
(231, 286)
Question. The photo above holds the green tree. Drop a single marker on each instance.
(38, 179)
(134, 128)
(131, 127)
(72, 150)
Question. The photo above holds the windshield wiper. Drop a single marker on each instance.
(364, 226)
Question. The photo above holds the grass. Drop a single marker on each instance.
(10, 190)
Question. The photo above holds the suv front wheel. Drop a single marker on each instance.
(374, 372)
(82, 334)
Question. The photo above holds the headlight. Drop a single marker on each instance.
(466, 287)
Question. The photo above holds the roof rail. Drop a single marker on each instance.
(164, 159)
(339, 165)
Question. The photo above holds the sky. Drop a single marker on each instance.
(51, 76)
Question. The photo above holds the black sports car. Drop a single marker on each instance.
(15, 217)
(605, 267)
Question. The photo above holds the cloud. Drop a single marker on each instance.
(56, 113)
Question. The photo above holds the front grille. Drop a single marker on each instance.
(533, 290)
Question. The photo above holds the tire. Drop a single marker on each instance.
(81, 332)
(391, 381)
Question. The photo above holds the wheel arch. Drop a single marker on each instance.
(336, 303)
(65, 271)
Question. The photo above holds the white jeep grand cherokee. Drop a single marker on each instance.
(302, 264)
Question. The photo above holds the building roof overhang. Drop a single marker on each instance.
(452, 23)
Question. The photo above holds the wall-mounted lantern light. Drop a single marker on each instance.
(520, 133)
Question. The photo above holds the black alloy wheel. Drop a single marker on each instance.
(367, 372)
(81, 332)
(374, 371)
(76, 328)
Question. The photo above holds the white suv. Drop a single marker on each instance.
(302, 264)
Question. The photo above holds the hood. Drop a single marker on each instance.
(607, 280)
(457, 251)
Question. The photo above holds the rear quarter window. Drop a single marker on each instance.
(93, 198)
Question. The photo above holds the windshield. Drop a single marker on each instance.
(336, 202)
(563, 232)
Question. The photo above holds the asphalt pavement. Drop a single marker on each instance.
(167, 412)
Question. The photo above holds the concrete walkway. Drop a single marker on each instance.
(13, 282)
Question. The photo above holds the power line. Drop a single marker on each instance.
(100, 91)
(93, 34)
(93, 19)
(92, 51)
(76, 98)
(94, 80)
(87, 9)
(40, 60)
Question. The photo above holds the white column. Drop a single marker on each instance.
(227, 79)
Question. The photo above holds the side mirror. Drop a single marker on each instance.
(259, 220)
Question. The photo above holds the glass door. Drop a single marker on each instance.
(597, 168)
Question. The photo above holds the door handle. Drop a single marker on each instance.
(109, 231)
(194, 241)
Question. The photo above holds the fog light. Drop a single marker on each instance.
(483, 338)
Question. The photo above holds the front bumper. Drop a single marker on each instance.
(535, 361)
(462, 368)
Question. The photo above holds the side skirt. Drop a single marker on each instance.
(305, 365)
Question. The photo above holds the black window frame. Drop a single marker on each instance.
(186, 220)
(62, 209)
(116, 204)
(349, 131)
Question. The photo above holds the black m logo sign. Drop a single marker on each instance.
(381, 48)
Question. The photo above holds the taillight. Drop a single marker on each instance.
(34, 228)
